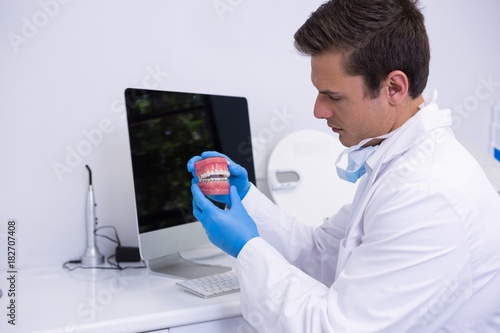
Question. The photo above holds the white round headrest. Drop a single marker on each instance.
(302, 178)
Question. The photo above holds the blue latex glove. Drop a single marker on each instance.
(228, 229)
(238, 176)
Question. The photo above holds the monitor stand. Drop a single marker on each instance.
(175, 266)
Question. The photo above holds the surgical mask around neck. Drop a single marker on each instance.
(357, 155)
(356, 158)
(355, 164)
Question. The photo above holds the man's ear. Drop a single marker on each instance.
(397, 87)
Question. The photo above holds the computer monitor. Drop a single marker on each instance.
(166, 129)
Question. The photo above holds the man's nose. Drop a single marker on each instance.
(321, 108)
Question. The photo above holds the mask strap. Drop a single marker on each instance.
(429, 98)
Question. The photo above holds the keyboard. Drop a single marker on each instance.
(212, 285)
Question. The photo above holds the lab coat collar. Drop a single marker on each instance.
(426, 119)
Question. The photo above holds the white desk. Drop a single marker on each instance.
(51, 299)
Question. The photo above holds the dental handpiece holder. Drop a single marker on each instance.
(92, 257)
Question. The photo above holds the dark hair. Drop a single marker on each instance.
(375, 36)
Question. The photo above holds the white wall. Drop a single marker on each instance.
(465, 46)
(64, 66)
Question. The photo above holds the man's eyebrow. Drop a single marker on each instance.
(329, 92)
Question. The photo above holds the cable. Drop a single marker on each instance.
(66, 267)
(117, 240)
(115, 265)
(90, 174)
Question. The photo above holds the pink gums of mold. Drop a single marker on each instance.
(212, 173)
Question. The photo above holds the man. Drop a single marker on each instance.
(418, 250)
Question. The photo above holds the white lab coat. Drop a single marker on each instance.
(418, 250)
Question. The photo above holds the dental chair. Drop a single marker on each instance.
(302, 178)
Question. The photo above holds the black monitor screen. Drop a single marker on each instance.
(165, 130)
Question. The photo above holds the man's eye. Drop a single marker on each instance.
(334, 98)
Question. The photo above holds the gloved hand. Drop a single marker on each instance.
(228, 229)
(238, 176)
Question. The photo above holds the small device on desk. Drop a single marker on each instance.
(92, 257)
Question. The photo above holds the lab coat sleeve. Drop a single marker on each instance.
(408, 272)
(313, 250)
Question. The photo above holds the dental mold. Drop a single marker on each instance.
(212, 174)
